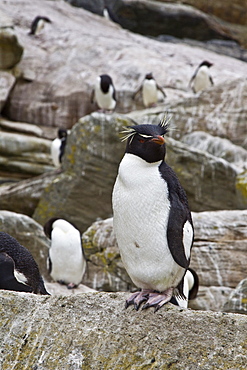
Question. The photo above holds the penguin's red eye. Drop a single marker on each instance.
(141, 140)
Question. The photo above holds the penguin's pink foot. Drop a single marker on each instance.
(158, 299)
(137, 298)
(71, 286)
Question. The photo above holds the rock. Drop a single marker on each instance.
(218, 256)
(126, 56)
(221, 148)
(21, 127)
(93, 330)
(237, 301)
(28, 233)
(203, 177)
(97, 6)
(24, 154)
(155, 18)
(23, 196)
(233, 12)
(219, 111)
(58, 289)
(10, 49)
(7, 81)
(220, 241)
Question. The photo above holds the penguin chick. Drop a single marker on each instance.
(190, 286)
(66, 261)
(58, 147)
(104, 93)
(18, 269)
(150, 89)
(151, 218)
(201, 79)
(38, 24)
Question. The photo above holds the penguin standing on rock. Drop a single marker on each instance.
(58, 147)
(151, 218)
(104, 93)
(66, 261)
(201, 79)
(18, 270)
(38, 24)
(150, 90)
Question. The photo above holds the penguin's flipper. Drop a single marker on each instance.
(161, 90)
(180, 228)
(211, 80)
(49, 264)
(41, 288)
(195, 284)
(7, 277)
(137, 92)
(92, 97)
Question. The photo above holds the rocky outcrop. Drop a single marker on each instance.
(7, 81)
(218, 256)
(155, 18)
(10, 49)
(237, 300)
(125, 56)
(24, 154)
(24, 196)
(94, 331)
(233, 12)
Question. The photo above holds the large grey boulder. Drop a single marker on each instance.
(94, 331)
(10, 49)
(153, 18)
(54, 93)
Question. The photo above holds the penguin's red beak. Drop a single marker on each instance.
(159, 140)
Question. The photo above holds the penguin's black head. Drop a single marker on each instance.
(149, 76)
(61, 133)
(105, 83)
(147, 141)
(206, 63)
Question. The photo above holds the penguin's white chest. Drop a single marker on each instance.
(202, 80)
(149, 92)
(66, 256)
(105, 100)
(141, 211)
(55, 151)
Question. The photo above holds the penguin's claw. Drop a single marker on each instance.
(157, 300)
(137, 299)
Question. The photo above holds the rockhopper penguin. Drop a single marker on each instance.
(104, 93)
(58, 147)
(18, 269)
(38, 24)
(66, 261)
(151, 218)
(150, 90)
(201, 79)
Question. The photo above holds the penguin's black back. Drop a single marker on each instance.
(179, 214)
(24, 262)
